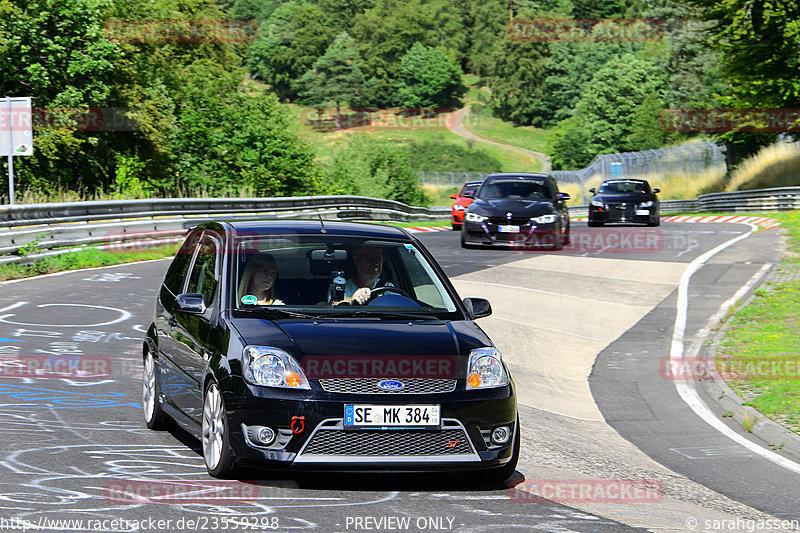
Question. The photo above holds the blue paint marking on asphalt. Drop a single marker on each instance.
(10, 340)
(58, 399)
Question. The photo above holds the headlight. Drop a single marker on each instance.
(486, 369)
(474, 217)
(595, 202)
(646, 204)
(458, 207)
(272, 367)
(544, 219)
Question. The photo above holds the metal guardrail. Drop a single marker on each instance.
(29, 232)
(776, 199)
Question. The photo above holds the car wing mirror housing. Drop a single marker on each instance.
(656, 191)
(593, 190)
(564, 196)
(192, 304)
(454, 196)
(477, 307)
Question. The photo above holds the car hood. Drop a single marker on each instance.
(626, 198)
(510, 205)
(370, 348)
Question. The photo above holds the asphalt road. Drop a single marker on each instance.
(74, 446)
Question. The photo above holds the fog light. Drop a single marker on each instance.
(266, 436)
(501, 435)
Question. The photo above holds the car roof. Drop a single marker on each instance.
(624, 179)
(519, 175)
(311, 227)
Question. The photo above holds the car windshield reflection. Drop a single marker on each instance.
(317, 276)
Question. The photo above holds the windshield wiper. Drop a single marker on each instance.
(392, 315)
(277, 311)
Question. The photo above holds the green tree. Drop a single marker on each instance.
(335, 78)
(288, 43)
(757, 42)
(516, 80)
(428, 77)
(374, 167)
(607, 110)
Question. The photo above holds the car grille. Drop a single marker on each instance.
(626, 211)
(370, 386)
(514, 221)
(389, 443)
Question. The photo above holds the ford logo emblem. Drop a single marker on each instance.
(390, 384)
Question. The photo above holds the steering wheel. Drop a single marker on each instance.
(378, 291)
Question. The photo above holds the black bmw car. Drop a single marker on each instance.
(519, 210)
(624, 200)
(270, 347)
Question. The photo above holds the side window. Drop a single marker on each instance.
(177, 270)
(203, 278)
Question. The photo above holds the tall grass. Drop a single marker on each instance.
(60, 194)
(677, 186)
(777, 165)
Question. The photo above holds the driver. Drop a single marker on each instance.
(368, 261)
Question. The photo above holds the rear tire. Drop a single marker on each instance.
(154, 416)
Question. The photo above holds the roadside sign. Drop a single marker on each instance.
(16, 127)
(16, 134)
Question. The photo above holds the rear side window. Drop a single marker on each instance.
(177, 270)
(203, 278)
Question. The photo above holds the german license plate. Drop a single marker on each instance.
(642, 212)
(357, 416)
(508, 229)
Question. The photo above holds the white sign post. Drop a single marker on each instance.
(16, 134)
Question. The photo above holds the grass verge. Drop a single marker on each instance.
(761, 347)
(89, 258)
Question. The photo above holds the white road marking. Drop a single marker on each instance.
(687, 392)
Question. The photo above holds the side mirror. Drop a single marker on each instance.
(454, 196)
(477, 307)
(191, 304)
(656, 191)
(592, 190)
(564, 196)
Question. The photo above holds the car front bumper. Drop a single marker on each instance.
(628, 213)
(311, 433)
(528, 235)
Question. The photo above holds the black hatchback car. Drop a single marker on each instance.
(521, 210)
(624, 200)
(267, 346)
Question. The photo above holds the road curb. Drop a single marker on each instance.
(777, 437)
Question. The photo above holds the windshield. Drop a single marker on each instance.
(517, 188)
(318, 276)
(624, 187)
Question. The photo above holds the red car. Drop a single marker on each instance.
(462, 201)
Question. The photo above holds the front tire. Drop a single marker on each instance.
(216, 434)
(154, 416)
